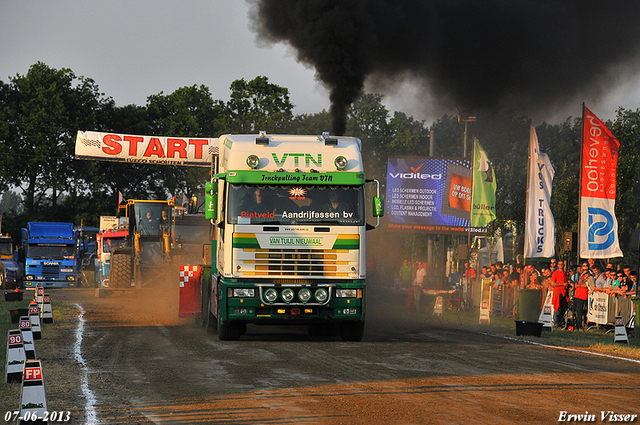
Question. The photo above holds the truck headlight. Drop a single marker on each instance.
(346, 293)
(340, 162)
(270, 295)
(287, 295)
(71, 278)
(243, 292)
(304, 294)
(321, 295)
(253, 161)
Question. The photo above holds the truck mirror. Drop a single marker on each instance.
(210, 187)
(211, 203)
(378, 206)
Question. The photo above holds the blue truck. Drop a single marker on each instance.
(53, 254)
(10, 271)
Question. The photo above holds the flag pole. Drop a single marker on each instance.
(526, 211)
(580, 186)
(473, 161)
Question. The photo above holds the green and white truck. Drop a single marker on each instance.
(290, 234)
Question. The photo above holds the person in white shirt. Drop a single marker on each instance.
(421, 273)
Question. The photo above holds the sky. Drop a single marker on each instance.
(134, 49)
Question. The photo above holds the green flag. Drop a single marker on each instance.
(483, 202)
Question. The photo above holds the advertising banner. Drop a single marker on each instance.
(431, 195)
(484, 189)
(539, 236)
(191, 151)
(598, 308)
(598, 224)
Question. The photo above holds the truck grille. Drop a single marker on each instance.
(51, 271)
(299, 263)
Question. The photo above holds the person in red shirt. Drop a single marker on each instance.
(559, 282)
(469, 272)
(581, 296)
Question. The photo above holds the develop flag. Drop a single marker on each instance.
(483, 202)
(598, 224)
(539, 235)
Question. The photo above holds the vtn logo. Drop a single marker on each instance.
(308, 159)
(601, 234)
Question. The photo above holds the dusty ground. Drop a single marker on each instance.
(142, 364)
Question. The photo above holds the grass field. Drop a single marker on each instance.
(593, 339)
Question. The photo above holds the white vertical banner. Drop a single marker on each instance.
(539, 233)
(598, 224)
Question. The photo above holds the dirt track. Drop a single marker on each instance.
(145, 365)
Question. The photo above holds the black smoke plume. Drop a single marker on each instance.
(475, 54)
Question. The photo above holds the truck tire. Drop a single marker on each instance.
(210, 323)
(121, 271)
(351, 331)
(228, 331)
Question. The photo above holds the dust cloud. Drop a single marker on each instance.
(156, 303)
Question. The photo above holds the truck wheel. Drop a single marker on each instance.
(120, 273)
(210, 323)
(209, 318)
(228, 331)
(351, 331)
(322, 329)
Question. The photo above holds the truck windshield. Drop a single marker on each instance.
(51, 251)
(152, 218)
(334, 205)
(5, 248)
(109, 244)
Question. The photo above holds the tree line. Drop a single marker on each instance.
(41, 111)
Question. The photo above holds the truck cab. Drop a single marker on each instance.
(53, 254)
(148, 227)
(10, 270)
(289, 214)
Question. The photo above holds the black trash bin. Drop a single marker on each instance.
(13, 296)
(529, 304)
(17, 313)
(528, 328)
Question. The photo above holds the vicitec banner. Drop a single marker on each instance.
(191, 151)
(598, 224)
(432, 195)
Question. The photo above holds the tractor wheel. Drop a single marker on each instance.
(121, 271)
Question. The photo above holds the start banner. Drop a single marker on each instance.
(191, 151)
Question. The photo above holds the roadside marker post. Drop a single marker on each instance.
(15, 356)
(437, 308)
(547, 318)
(34, 316)
(27, 338)
(45, 312)
(33, 402)
(620, 331)
(485, 301)
(39, 292)
(484, 312)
